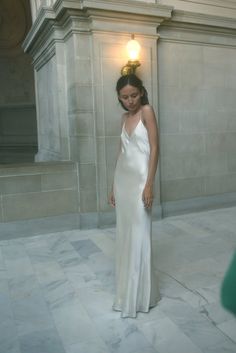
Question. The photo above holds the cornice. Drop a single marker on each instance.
(204, 19)
(88, 10)
(224, 8)
(200, 29)
(217, 3)
(43, 19)
(134, 7)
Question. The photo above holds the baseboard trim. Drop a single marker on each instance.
(24, 228)
(198, 204)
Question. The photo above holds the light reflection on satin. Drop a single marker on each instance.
(136, 283)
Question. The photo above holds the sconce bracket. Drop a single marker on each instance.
(130, 67)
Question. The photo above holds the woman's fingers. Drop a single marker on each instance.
(147, 197)
(148, 202)
(111, 200)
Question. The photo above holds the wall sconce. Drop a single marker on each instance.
(133, 48)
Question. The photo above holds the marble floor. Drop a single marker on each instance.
(56, 291)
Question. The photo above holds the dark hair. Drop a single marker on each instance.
(134, 81)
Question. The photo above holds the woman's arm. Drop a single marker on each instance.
(149, 120)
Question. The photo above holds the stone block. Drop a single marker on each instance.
(102, 176)
(169, 60)
(110, 175)
(216, 143)
(82, 45)
(215, 163)
(99, 116)
(83, 149)
(80, 97)
(230, 118)
(229, 184)
(215, 121)
(88, 220)
(19, 184)
(1, 210)
(185, 165)
(81, 123)
(169, 99)
(214, 75)
(214, 184)
(83, 71)
(192, 122)
(112, 116)
(217, 99)
(112, 149)
(172, 190)
(220, 184)
(87, 177)
(36, 168)
(231, 162)
(192, 73)
(101, 150)
(63, 180)
(111, 50)
(181, 144)
(88, 201)
(231, 142)
(169, 122)
(104, 206)
(106, 219)
(215, 62)
(39, 204)
(111, 71)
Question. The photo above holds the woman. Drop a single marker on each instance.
(132, 195)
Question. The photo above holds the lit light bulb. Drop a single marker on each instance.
(133, 48)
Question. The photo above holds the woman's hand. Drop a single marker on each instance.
(111, 199)
(148, 196)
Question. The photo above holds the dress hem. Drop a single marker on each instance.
(134, 315)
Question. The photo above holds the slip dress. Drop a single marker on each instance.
(136, 282)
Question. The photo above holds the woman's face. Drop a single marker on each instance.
(130, 96)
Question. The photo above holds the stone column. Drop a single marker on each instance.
(78, 49)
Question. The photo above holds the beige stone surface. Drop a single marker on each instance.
(189, 73)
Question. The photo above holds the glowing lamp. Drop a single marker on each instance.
(133, 49)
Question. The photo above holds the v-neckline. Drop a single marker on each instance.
(133, 131)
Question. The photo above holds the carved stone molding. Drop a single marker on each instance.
(54, 23)
(225, 4)
(226, 8)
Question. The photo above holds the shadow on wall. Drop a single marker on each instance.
(18, 136)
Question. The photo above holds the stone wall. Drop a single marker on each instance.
(197, 113)
(188, 51)
(37, 190)
(79, 117)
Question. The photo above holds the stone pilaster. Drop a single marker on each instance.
(78, 49)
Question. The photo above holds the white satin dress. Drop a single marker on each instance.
(136, 283)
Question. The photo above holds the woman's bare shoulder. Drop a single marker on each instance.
(147, 108)
(148, 112)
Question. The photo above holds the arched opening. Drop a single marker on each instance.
(18, 127)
